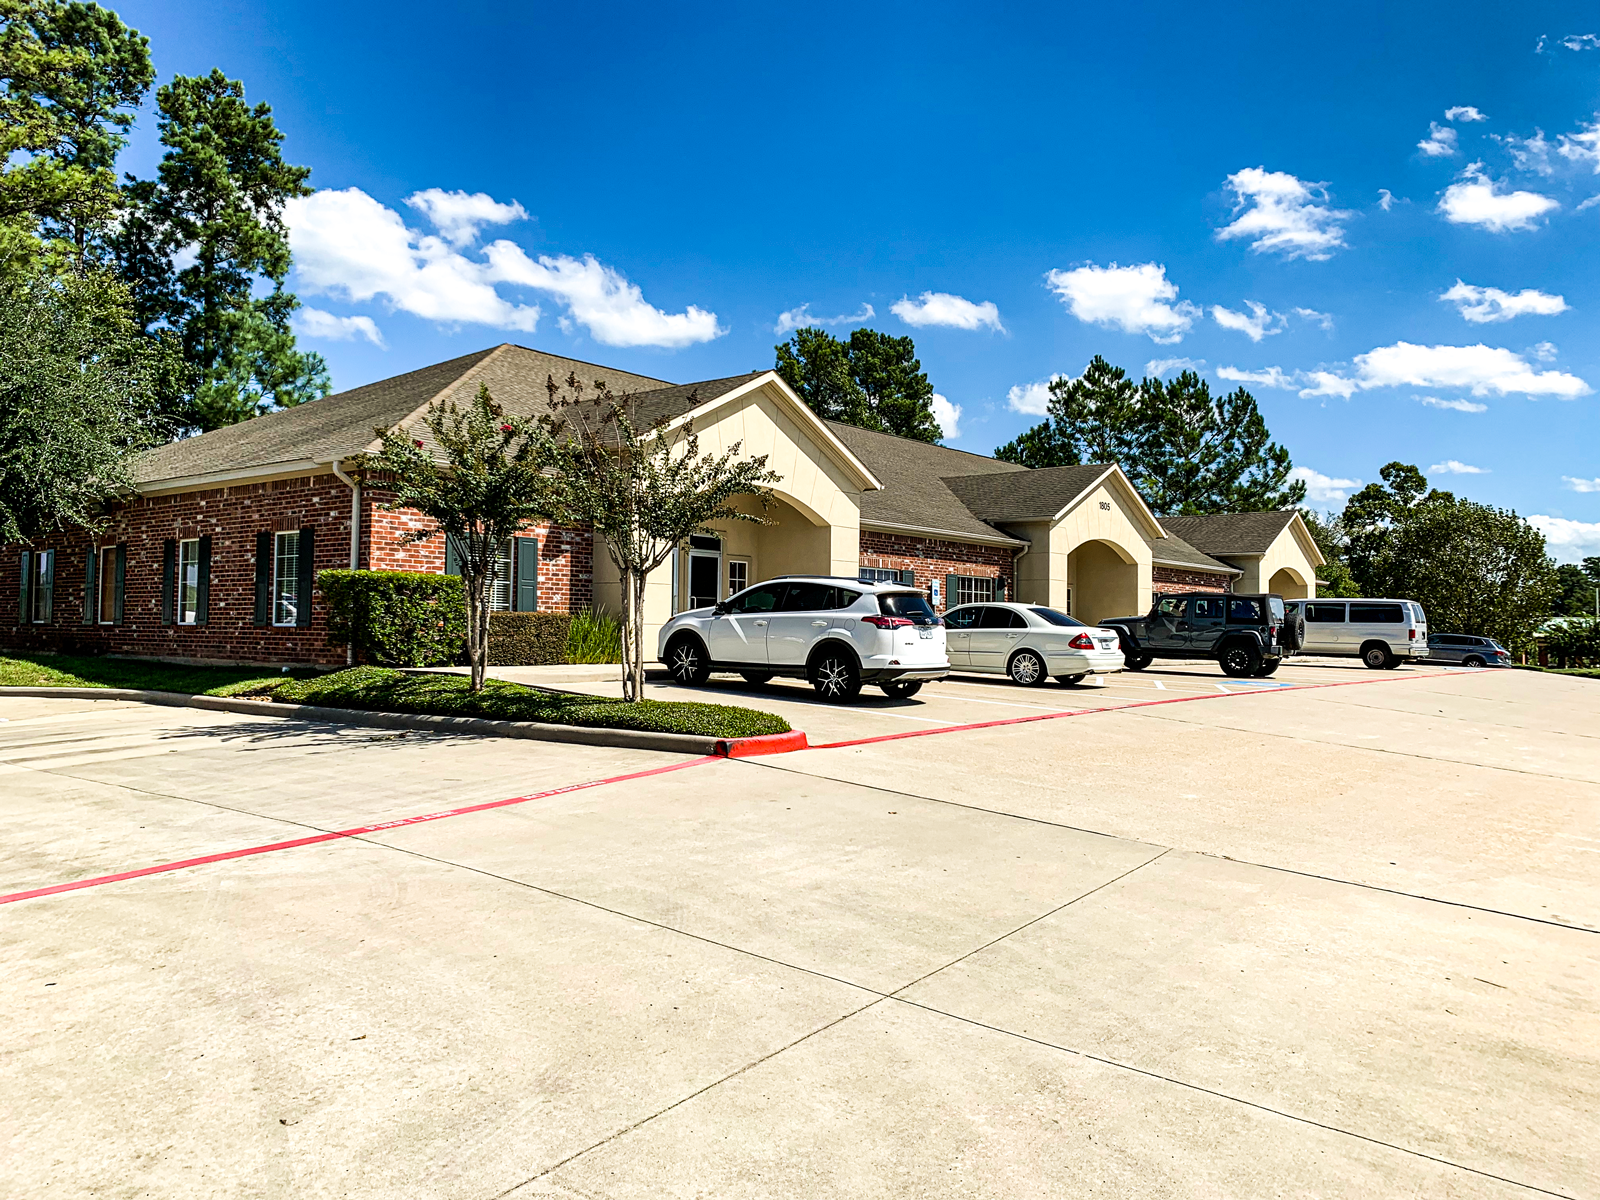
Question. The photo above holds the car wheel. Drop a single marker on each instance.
(1137, 660)
(1027, 669)
(1472, 660)
(1070, 680)
(756, 678)
(836, 676)
(1266, 669)
(1239, 660)
(1376, 656)
(687, 662)
(901, 689)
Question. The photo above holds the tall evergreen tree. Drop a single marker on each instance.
(1096, 418)
(218, 200)
(874, 380)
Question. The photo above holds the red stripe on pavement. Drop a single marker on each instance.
(1083, 712)
(184, 864)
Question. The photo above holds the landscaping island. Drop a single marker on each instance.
(377, 689)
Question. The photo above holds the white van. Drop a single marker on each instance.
(1381, 633)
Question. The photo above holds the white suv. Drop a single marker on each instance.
(837, 633)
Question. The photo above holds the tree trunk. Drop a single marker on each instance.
(629, 620)
(477, 630)
(638, 635)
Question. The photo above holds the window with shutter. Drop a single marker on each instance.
(169, 580)
(25, 595)
(527, 556)
(90, 592)
(120, 589)
(44, 586)
(263, 608)
(188, 580)
(286, 578)
(109, 578)
(202, 590)
(307, 572)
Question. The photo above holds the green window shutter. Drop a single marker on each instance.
(120, 582)
(949, 591)
(263, 579)
(25, 598)
(1000, 588)
(202, 591)
(527, 557)
(307, 567)
(48, 583)
(169, 580)
(91, 595)
(909, 578)
(452, 556)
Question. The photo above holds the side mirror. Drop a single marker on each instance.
(720, 610)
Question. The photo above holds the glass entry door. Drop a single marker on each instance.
(705, 571)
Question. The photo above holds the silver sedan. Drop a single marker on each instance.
(1029, 643)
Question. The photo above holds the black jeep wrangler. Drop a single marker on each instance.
(1248, 635)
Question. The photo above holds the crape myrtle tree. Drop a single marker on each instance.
(1185, 450)
(77, 389)
(874, 380)
(644, 487)
(479, 474)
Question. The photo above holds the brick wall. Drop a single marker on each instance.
(232, 517)
(932, 558)
(1174, 579)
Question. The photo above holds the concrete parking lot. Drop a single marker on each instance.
(1331, 941)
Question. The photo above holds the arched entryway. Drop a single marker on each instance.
(1104, 579)
(1290, 584)
(793, 541)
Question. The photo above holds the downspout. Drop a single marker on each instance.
(355, 536)
(1017, 556)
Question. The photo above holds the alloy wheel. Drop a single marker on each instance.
(836, 679)
(1026, 669)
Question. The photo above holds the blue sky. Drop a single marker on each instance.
(1286, 199)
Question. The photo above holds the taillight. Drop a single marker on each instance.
(1412, 634)
(1081, 642)
(886, 622)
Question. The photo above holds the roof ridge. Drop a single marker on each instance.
(417, 412)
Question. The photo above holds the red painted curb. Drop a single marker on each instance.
(769, 743)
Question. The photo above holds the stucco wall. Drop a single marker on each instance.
(1105, 516)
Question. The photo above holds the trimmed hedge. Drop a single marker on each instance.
(377, 690)
(528, 639)
(397, 618)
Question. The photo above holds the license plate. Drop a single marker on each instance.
(925, 632)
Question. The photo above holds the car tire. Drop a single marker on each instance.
(1268, 668)
(1377, 657)
(687, 661)
(901, 689)
(1071, 680)
(1293, 633)
(1137, 660)
(756, 678)
(1239, 660)
(1472, 660)
(835, 675)
(1027, 669)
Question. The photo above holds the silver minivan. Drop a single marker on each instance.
(1381, 633)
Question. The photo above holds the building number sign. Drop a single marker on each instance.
(1106, 505)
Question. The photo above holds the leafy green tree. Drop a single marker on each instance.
(1327, 530)
(218, 199)
(874, 380)
(77, 386)
(1096, 418)
(1576, 586)
(72, 75)
(643, 488)
(1474, 568)
(479, 477)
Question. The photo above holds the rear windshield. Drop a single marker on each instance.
(1277, 609)
(1054, 617)
(1416, 611)
(913, 605)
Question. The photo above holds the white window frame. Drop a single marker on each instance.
(741, 568)
(280, 558)
(878, 575)
(188, 582)
(974, 589)
(40, 598)
(106, 582)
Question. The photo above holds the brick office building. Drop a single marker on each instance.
(214, 555)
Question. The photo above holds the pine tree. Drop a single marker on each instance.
(873, 380)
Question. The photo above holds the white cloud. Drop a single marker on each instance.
(1455, 405)
(1452, 466)
(1463, 112)
(1582, 147)
(1132, 299)
(1477, 200)
(1480, 369)
(1581, 485)
(801, 318)
(1327, 383)
(1272, 377)
(1324, 488)
(941, 308)
(1581, 41)
(1589, 203)
(1281, 215)
(1483, 305)
(1031, 398)
(1529, 154)
(948, 416)
(1321, 318)
(1257, 324)
(314, 323)
(458, 216)
(348, 245)
(1158, 367)
(1440, 142)
(1567, 540)
(1543, 351)
(1385, 199)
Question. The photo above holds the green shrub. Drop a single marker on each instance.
(1573, 641)
(376, 690)
(527, 639)
(594, 637)
(398, 618)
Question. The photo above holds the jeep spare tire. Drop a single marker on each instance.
(1292, 633)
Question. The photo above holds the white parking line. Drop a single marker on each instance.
(1160, 685)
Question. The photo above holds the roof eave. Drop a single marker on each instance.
(213, 479)
(1219, 569)
(946, 535)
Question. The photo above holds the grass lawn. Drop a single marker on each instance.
(375, 689)
(1579, 672)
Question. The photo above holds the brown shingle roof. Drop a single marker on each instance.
(915, 492)
(1222, 534)
(1036, 495)
(1173, 551)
